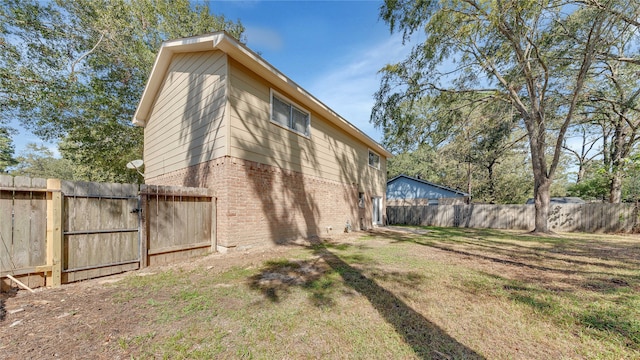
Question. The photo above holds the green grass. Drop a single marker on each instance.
(448, 293)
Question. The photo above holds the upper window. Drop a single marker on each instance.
(374, 160)
(284, 113)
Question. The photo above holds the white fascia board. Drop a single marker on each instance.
(161, 65)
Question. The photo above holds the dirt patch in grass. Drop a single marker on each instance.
(96, 318)
(421, 293)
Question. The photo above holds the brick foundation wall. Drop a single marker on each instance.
(261, 205)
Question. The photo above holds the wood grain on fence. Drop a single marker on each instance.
(180, 222)
(609, 218)
(101, 229)
(54, 232)
(23, 228)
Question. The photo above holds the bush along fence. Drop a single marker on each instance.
(54, 232)
(606, 218)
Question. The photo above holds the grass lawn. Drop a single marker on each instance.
(437, 293)
(434, 293)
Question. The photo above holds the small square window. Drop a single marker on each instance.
(361, 199)
(374, 160)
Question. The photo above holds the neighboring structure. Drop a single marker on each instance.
(405, 190)
(283, 165)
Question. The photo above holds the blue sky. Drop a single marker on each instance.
(332, 48)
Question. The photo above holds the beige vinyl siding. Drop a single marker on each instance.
(329, 152)
(187, 126)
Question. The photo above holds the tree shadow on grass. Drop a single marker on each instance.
(319, 277)
(4, 295)
(279, 276)
(613, 314)
(427, 339)
(3, 312)
(512, 258)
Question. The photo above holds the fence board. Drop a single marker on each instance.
(38, 243)
(565, 218)
(180, 221)
(6, 232)
(22, 228)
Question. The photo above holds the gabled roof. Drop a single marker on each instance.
(239, 52)
(428, 183)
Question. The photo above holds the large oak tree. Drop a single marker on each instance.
(536, 56)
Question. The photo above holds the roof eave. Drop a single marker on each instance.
(428, 183)
(161, 65)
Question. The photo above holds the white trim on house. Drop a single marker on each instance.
(234, 49)
(282, 98)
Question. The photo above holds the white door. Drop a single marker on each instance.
(377, 210)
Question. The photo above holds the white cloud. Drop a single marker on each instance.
(262, 38)
(348, 89)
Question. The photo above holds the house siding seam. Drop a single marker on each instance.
(262, 205)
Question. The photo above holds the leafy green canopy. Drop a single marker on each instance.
(533, 55)
(6, 150)
(74, 71)
(39, 161)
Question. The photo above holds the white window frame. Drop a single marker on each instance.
(369, 159)
(292, 105)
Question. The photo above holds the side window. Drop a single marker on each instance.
(361, 199)
(374, 160)
(288, 115)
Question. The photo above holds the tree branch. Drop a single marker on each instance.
(85, 55)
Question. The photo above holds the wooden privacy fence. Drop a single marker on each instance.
(54, 232)
(178, 222)
(607, 218)
(23, 226)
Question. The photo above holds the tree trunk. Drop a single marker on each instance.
(469, 174)
(615, 188)
(581, 172)
(492, 187)
(541, 200)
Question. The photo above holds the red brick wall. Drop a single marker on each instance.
(261, 205)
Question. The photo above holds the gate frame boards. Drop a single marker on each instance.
(53, 268)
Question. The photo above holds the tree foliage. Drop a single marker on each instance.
(536, 56)
(462, 141)
(39, 161)
(6, 150)
(74, 70)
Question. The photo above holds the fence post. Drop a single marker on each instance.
(144, 226)
(55, 236)
(214, 230)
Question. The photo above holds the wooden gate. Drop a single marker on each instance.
(101, 229)
(178, 223)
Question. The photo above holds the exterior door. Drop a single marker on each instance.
(377, 210)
